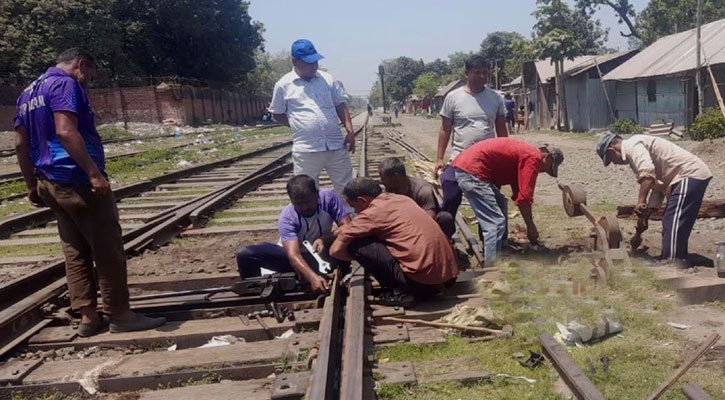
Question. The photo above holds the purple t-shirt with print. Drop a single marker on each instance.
(293, 226)
(54, 91)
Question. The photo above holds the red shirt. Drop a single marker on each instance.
(504, 161)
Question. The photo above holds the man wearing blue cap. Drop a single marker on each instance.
(312, 103)
(663, 170)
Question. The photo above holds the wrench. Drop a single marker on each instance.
(323, 266)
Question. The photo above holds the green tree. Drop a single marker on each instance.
(521, 51)
(456, 62)
(426, 85)
(212, 40)
(267, 71)
(623, 8)
(496, 48)
(376, 95)
(33, 32)
(563, 34)
(438, 67)
(665, 17)
(399, 76)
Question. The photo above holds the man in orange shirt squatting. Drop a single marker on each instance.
(483, 168)
(395, 241)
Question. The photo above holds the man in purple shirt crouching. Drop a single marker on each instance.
(61, 158)
(309, 217)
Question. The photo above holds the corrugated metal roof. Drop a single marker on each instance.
(443, 90)
(576, 66)
(674, 54)
(546, 69)
(601, 59)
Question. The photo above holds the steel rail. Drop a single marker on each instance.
(22, 313)
(42, 216)
(353, 356)
(23, 317)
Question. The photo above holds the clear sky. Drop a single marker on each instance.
(355, 36)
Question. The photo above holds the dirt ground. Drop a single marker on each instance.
(199, 257)
(606, 187)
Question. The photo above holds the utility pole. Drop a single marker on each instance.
(698, 75)
(381, 71)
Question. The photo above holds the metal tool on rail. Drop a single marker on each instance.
(322, 265)
(607, 239)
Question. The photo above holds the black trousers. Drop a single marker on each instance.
(375, 258)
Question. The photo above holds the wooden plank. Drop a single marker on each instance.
(574, 377)
(226, 230)
(29, 260)
(63, 371)
(159, 362)
(693, 392)
(694, 356)
(709, 209)
(183, 333)
(29, 242)
(224, 390)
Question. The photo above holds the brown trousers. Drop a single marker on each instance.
(89, 230)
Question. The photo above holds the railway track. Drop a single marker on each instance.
(210, 188)
(315, 348)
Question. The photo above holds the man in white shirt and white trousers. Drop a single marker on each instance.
(312, 103)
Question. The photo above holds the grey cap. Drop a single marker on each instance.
(603, 145)
(557, 157)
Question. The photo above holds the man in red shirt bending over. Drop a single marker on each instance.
(483, 168)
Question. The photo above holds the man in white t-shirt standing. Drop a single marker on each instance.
(470, 114)
(312, 103)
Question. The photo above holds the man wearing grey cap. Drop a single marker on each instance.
(312, 103)
(663, 170)
(487, 165)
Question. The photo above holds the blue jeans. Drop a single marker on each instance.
(491, 209)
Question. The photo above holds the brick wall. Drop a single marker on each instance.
(183, 104)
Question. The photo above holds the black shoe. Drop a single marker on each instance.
(92, 328)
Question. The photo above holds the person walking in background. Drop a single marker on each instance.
(62, 161)
(510, 105)
(395, 110)
(520, 116)
(312, 103)
(469, 114)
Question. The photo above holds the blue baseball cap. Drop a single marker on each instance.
(603, 145)
(305, 51)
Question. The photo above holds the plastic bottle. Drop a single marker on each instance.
(720, 260)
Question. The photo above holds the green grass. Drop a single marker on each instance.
(647, 352)
(109, 132)
(31, 250)
(10, 188)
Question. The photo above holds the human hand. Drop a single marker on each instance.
(350, 142)
(319, 284)
(438, 168)
(640, 209)
(35, 199)
(318, 245)
(100, 186)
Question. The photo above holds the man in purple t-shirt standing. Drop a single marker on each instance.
(61, 157)
(309, 217)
